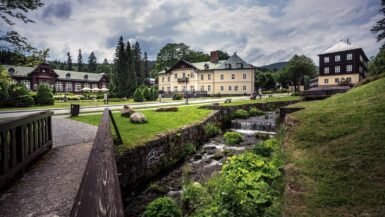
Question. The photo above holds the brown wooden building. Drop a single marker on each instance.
(60, 80)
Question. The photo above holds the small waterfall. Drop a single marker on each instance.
(264, 123)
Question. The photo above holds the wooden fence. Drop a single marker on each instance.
(99, 193)
(23, 140)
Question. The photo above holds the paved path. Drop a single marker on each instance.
(50, 186)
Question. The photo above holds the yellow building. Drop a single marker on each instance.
(226, 77)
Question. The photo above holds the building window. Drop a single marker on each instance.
(86, 85)
(349, 79)
(209, 88)
(202, 77)
(27, 84)
(69, 86)
(326, 81)
(244, 76)
(337, 58)
(78, 87)
(228, 66)
(235, 88)
(94, 86)
(162, 88)
(222, 77)
(192, 75)
(176, 76)
(222, 88)
(202, 88)
(59, 86)
(326, 70)
(230, 88)
(104, 85)
(337, 80)
(326, 59)
(168, 89)
(244, 88)
(349, 56)
(184, 75)
(209, 77)
(168, 79)
(233, 76)
(349, 68)
(239, 65)
(176, 89)
(192, 88)
(337, 69)
(162, 79)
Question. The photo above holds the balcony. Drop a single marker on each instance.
(183, 80)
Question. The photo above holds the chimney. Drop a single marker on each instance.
(214, 57)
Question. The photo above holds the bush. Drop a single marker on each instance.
(211, 130)
(19, 96)
(266, 148)
(193, 196)
(3, 94)
(162, 207)
(283, 90)
(177, 96)
(154, 93)
(44, 95)
(241, 113)
(256, 112)
(189, 149)
(232, 138)
(147, 94)
(296, 94)
(138, 95)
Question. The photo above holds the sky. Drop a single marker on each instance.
(259, 31)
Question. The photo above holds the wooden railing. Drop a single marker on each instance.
(99, 193)
(23, 140)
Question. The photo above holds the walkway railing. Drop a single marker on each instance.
(23, 140)
(99, 193)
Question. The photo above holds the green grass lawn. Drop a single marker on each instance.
(336, 155)
(158, 122)
(273, 99)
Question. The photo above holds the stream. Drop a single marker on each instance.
(207, 161)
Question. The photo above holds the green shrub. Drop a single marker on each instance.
(162, 207)
(241, 113)
(147, 94)
(266, 148)
(211, 130)
(3, 94)
(154, 93)
(19, 96)
(232, 138)
(44, 95)
(194, 196)
(256, 112)
(138, 95)
(283, 90)
(156, 187)
(189, 149)
(177, 96)
(296, 94)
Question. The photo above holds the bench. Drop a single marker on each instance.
(228, 101)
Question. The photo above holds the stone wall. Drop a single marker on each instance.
(141, 163)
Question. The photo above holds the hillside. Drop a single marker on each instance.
(275, 66)
(336, 155)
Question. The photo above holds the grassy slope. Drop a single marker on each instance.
(336, 155)
(158, 122)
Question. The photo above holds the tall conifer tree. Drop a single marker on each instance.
(69, 61)
(138, 63)
(92, 63)
(146, 66)
(131, 75)
(80, 61)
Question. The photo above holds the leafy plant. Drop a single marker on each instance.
(44, 95)
(256, 112)
(189, 149)
(194, 196)
(19, 96)
(162, 207)
(232, 138)
(266, 148)
(177, 96)
(211, 130)
(241, 113)
(147, 94)
(138, 95)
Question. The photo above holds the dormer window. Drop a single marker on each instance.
(11, 71)
(68, 75)
(85, 77)
(206, 66)
(43, 70)
(228, 66)
(240, 65)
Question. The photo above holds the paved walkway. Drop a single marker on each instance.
(50, 186)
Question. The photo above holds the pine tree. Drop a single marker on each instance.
(146, 66)
(80, 61)
(131, 75)
(92, 63)
(379, 28)
(121, 66)
(69, 62)
(138, 63)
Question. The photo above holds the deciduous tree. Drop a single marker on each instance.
(298, 67)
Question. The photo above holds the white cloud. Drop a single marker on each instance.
(261, 32)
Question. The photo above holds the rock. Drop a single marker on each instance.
(218, 155)
(138, 117)
(215, 104)
(126, 111)
(197, 157)
(167, 109)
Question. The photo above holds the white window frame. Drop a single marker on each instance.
(78, 86)
(337, 69)
(230, 88)
(222, 77)
(59, 86)
(87, 85)
(326, 70)
(202, 77)
(209, 88)
(349, 56)
(337, 58)
(232, 76)
(326, 59)
(27, 84)
(235, 88)
(326, 81)
(349, 68)
(209, 77)
(69, 86)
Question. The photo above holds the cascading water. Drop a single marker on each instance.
(264, 123)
